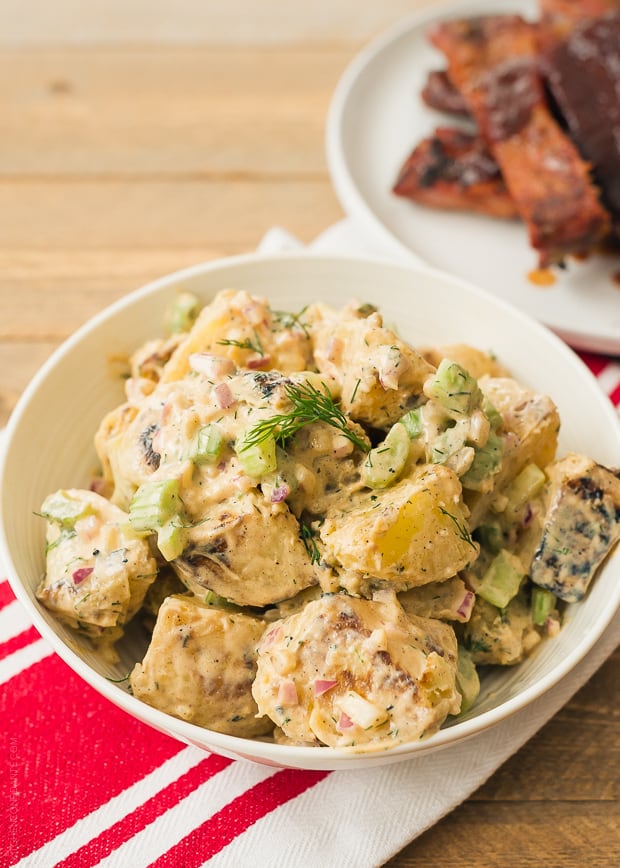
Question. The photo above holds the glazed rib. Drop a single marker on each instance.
(454, 170)
(583, 75)
(439, 93)
(559, 17)
(492, 60)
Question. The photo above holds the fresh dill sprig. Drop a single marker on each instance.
(246, 344)
(460, 527)
(352, 398)
(308, 539)
(309, 405)
(291, 320)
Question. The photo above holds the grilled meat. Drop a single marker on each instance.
(558, 18)
(492, 60)
(439, 93)
(454, 169)
(583, 75)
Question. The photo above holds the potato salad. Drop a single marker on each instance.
(323, 531)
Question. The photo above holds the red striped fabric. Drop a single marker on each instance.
(16, 642)
(147, 813)
(74, 750)
(220, 829)
(70, 752)
(596, 363)
(6, 594)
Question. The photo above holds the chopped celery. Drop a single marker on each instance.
(467, 680)
(257, 459)
(524, 487)
(413, 423)
(454, 389)
(543, 603)
(207, 445)
(63, 509)
(502, 580)
(447, 444)
(490, 537)
(493, 415)
(386, 462)
(153, 504)
(171, 539)
(486, 462)
(213, 599)
(182, 313)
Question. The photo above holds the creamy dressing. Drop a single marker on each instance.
(326, 519)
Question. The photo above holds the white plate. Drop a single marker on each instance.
(375, 119)
(49, 444)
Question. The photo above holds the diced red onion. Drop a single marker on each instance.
(333, 349)
(223, 396)
(210, 365)
(342, 447)
(527, 516)
(466, 605)
(166, 412)
(388, 380)
(344, 722)
(280, 493)
(287, 693)
(271, 637)
(157, 441)
(98, 485)
(322, 685)
(259, 362)
(81, 574)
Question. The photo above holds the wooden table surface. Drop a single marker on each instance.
(118, 164)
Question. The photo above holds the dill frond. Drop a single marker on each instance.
(309, 404)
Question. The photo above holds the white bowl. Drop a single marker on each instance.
(50, 445)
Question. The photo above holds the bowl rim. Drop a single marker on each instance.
(282, 755)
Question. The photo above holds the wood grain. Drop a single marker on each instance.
(177, 112)
(555, 803)
(121, 164)
(118, 165)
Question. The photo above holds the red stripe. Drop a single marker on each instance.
(6, 594)
(220, 829)
(116, 835)
(70, 751)
(615, 395)
(26, 637)
(596, 363)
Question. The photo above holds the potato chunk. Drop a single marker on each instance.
(97, 570)
(347, 671)
(248, 551)
(244, 329)
(380, 376)
(200, 666)
(410, 534)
